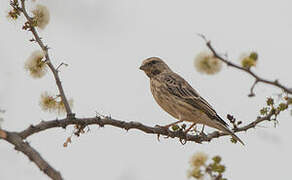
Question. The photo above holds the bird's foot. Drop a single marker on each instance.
(190, 129)
(184, 139)
(203, 134)
(164, 128)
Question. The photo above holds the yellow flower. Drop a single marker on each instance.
(195, 173)
(248, 60)
(51, 103)
(199, 159)
(205, 62)
(41, 16)
(13, 14)
(48, 102)
(35, 64)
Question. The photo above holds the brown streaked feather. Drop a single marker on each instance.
(177, 86)
(175, 96)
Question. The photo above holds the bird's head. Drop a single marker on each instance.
(153, 66)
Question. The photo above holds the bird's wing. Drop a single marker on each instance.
(179, 87)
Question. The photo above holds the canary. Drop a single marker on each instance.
(177, 97)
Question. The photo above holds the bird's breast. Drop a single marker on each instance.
(172, 105)
(163, 98)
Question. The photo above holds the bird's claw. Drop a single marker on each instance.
(203, 134)
(164, 128)
(183, 140)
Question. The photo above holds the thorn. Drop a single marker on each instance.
(63, 126)
(251, 95)
(60, 65)
(158, 136)
(202, 36)
(100, 123)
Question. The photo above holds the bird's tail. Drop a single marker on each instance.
(228, 131)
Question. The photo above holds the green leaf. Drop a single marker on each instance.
(175, 127)
(254, 55)
(270, 101)
(264, 111)
(216, 159)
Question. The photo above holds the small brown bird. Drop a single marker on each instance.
(179, 99)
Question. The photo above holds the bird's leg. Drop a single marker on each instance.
(203, 128)
(186, 131)
(202, 131)
(174, 123)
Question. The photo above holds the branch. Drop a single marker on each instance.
(48, 60)
(251, 125)
(248, 71)
(30, 152)
(17, 138)
(102, 121)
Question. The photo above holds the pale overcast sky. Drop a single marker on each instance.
(104, 42)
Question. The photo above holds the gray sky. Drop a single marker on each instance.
(104, 42)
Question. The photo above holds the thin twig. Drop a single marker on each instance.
(60, 65)
(48, 60)
(248, 71)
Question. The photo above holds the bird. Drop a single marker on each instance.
(178, 98)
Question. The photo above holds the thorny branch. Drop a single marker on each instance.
(48, 60)
(22, 146)
(13, 137)
(248, 71)
(17, 138)
(102, 121)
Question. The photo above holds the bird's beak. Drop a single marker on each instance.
(142, 67)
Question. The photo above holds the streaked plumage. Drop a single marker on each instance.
(179, 99)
